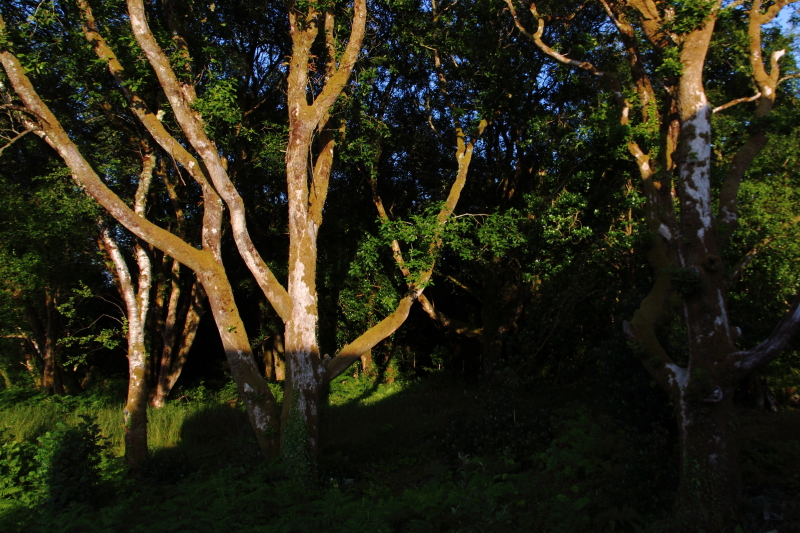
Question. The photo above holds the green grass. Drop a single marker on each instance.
(28, 420)
(200, 426)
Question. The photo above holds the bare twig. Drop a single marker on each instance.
(15, 139)
(732, 103)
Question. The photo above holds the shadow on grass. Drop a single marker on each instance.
(210, 435)
(439, 419)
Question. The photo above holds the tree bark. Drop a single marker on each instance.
(296, 304)
(710, 488)
(207, 262)
(136, 303)
(685, 250)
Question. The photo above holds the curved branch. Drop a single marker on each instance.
(212, 212)
(56, 137)
(767, 84)
(337, 81)
(536, 38)
(768, 350)
(180, 98)
(353, 351)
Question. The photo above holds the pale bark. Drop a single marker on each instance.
(686, 259)
(137, 302)
(296, 305)
(767, 85)
(181, 96)
(258, 399)
(136, 296)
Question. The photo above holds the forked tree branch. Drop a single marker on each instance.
(350, 353)
(766, 83)
(57, 138)
(181, 98)
(457, 326)
(11, 141)
(212, 204)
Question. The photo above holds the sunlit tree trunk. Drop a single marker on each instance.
(137, 302)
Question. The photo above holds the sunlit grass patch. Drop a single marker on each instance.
(202, 426)
(28, 420)
(362, 389)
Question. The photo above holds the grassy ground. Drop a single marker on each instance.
(427, 456)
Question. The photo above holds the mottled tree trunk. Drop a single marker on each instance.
(297, 305)
(135, 410)
(262, 410)
(137, 302)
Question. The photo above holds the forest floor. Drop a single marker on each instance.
(435, 455)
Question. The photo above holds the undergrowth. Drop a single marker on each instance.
(395, 464)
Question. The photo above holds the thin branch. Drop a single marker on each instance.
(536, 37)
(732, 103)
(734, 4)
(467, 289)
(15, 139)
(181, 98)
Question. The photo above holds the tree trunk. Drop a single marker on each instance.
(710, 481)
(269, 361)
(6, 379)
(303, 379)
(172, 363)
(755, 393)
(687, 237)
(206, 262)
(262, 409)
(50, 379)
(279, 354)
(137, 305)
(366, 361)
(135, 413)
(297, 305)
(163, 364)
